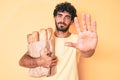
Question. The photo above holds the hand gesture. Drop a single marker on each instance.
(87, 36)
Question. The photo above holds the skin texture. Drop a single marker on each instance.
(87, 36)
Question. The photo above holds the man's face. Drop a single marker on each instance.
(63, 21)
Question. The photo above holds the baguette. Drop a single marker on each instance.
(29, 38)
(44, 42)
(51, 40)
(49, 33)
(35, 36)
(42, 35)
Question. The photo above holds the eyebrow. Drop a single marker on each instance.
(66, 15)
(59, 14)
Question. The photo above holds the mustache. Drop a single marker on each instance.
(62, 23)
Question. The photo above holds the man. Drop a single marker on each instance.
(68, 46)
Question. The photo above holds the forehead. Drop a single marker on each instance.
(64, 12)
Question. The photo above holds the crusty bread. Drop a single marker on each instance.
(35, 36)
(51, 40)
(38, 44)
(43, 38)
(29, 38)
(49, 33)
(42, 35)
(46, 35)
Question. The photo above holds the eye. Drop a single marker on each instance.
(68, 17)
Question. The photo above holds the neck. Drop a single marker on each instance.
(62, 34)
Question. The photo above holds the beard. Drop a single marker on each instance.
(63, 27)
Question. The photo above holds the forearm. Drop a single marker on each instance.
(29, 62)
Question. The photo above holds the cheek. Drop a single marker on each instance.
(68, 22)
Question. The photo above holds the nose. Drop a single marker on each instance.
(63, 19)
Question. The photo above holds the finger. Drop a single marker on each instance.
(29, 38)
(53, 64)
(35, 36)
(77, 24)
(94, 26)
(54, 61)
(70, 44)
(54, 58)
(89, 22)
(84, 21)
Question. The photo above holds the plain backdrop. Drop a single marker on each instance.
(20, 17)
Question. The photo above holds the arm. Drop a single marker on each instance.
(44, 60)
(30, 62)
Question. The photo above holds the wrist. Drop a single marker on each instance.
(39, 61)
(87, 53)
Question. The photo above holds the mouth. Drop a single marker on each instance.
(61, 23)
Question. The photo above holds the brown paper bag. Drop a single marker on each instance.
(36, 49)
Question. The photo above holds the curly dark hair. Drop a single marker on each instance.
(66, 6)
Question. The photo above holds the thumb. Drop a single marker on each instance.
(70, 44)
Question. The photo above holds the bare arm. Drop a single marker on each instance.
(30, 62)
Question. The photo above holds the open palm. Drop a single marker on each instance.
(87, 36)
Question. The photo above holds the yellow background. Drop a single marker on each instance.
(20, 17)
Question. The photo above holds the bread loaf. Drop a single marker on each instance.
(49, 33)
(51, 40)
(35, 36)
(42, 35)
(36, 49)
(29, 38)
